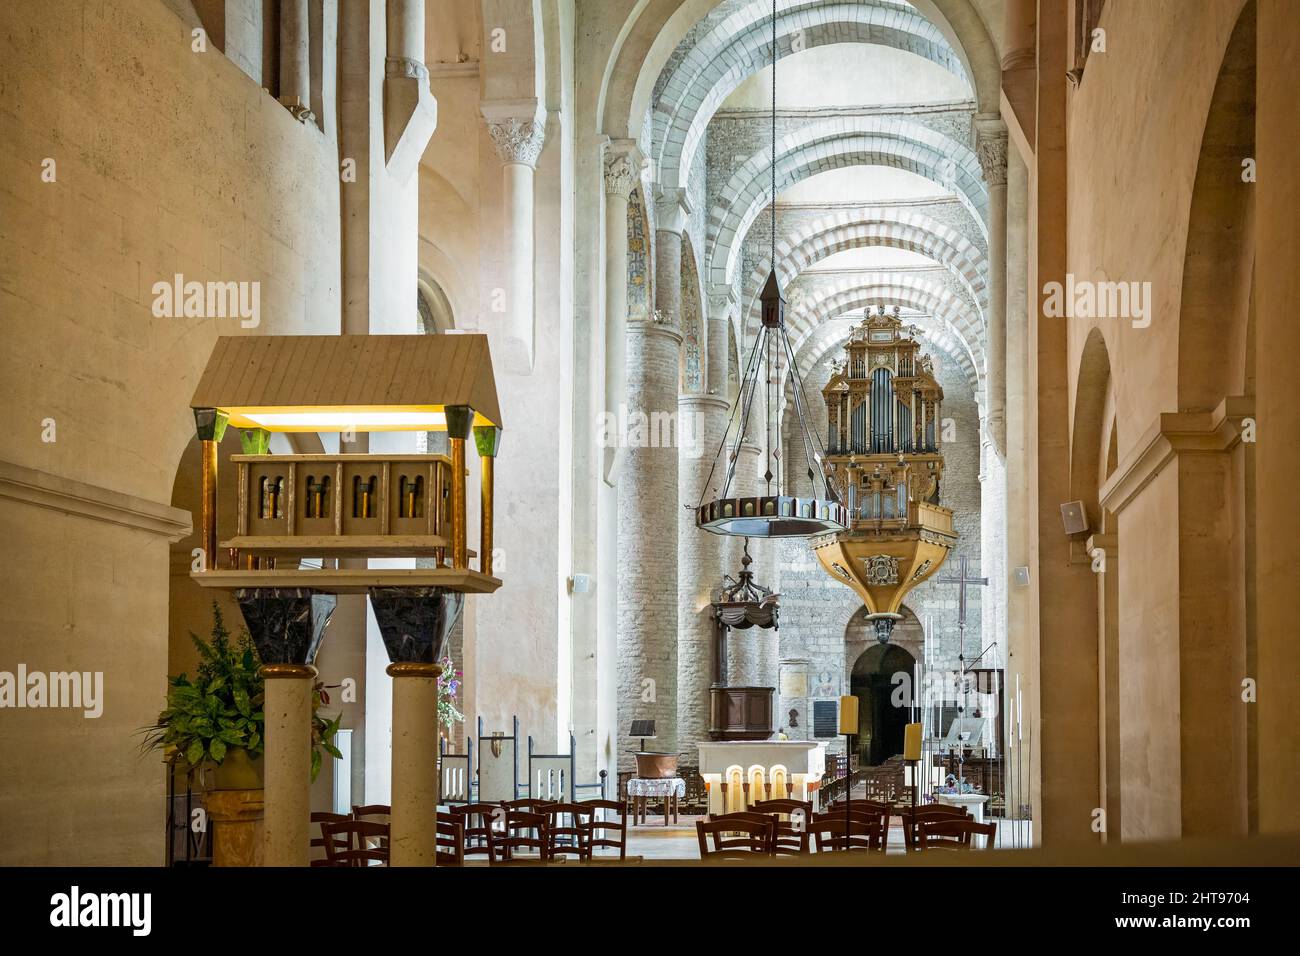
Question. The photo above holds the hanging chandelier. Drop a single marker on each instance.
(772, 514)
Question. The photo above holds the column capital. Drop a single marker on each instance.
(991, 147)
(672, 209)
(517, 129)
(721, 297)
(624, 163)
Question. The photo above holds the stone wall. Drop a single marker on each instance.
(166, 161)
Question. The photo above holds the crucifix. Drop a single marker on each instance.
(962, 579)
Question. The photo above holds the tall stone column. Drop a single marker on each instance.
(623, 165)
(518, 131)
(702, 419)
(287, 625)
(991, 148)
(414, 840)
(743, 646)
(1277, 455)
(295, 60)
(647, 537)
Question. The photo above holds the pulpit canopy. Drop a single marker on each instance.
(336, 383)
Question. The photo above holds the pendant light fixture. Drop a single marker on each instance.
(771, 514)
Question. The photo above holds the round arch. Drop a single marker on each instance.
(857, 229)
(844, 142)
(709, 67)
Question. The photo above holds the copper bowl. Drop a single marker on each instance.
(651, 766)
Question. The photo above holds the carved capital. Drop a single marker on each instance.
(405, 66)
(623, 166)
(516, 140)
(991, 149)
(672, 209)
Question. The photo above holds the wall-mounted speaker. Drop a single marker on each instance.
(1074, 518)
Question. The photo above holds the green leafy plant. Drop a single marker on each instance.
(448, 686)
(220, 708)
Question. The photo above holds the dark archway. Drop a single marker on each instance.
(881, 716)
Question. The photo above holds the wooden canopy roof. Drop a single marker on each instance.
(391, 372)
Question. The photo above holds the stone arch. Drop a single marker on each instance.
(876, 226)
(706, 69)
(1219, 260)
(436, 314)
(694, 352)
(653, 30)
(1093, 384)
(877, 679)
(948, 327)
(836, 144)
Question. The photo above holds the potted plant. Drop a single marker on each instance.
(449, 682)
(216, 718)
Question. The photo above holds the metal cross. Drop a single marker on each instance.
(963, 578)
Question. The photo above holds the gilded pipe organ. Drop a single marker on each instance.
(884, 410)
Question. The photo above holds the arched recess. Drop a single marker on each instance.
(694, 355)
(1090, 401)
(1220, 254)
(436, 315)
(875, 227)
(818, 148)
(709, 67)
(879, 677)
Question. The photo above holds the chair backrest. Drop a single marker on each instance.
(374, 812)
(607, 816)
(783, 806)
(498, 764)
(477, 820)
(954, 834)
(731, 835)
(451, 840)
(366, 842)
(931, 811)
(568, 827)
(319, 855)
(848, 832)
(529, 804)
(522, 831)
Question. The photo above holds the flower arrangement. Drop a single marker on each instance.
(449, 682)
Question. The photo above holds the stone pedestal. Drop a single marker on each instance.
(235, 817)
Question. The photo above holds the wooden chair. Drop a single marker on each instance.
(599, 825)
(522, 831)
(954, 834)
(366, 843)
(476, 820)
(373, 810)
(756, 836)
(930, 812)
(571, 837)
(318, 843)
(848, 832)
(792, 832)
(528, 804)
(451, 840)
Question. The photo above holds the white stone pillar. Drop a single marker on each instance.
(623, 165)
(415, 766)
(991, 148)
(518, 131)
(295, 60)
(743, 645)
(699, 562)
(647, 538)
(287, 759)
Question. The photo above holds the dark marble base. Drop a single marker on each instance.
(416, 622)
(287, 624)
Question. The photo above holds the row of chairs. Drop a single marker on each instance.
(506, 832)
(778, 827)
